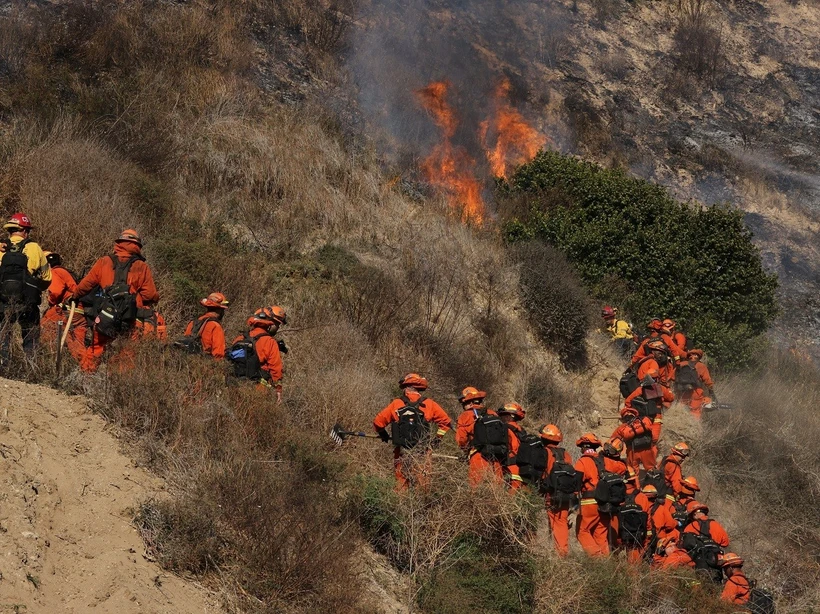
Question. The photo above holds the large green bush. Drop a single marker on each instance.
(632, 243)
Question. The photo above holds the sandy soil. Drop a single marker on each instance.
(66, 539)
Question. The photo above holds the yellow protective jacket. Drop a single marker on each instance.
(620, 329)
(37, 263)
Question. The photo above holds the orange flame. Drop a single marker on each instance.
(448, 167)
(516, 142)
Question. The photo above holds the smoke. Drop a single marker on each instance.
(402, 46)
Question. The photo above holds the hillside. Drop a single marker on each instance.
(69, 494)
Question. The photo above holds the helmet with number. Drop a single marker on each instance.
(215, 300)
(513, 409)
(681, 449)
(690, 482)
(697, 506)
(551, 433)
(656, 345)
(655, 324)
(471, 394)
(267, 317)
(669, 325)
(18, 221)
(614, 447)
(129, 235)
(694, 352)
(730, 559)
(588, 440)
(607, 312)
(650, 491)
(629, 411)
(413, 380)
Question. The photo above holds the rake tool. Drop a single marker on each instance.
(338, 435)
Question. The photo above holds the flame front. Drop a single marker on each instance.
(516, 142)
(450, 167)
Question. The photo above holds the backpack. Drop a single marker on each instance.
(192, 344)
(610, 491)
(646, 407)
(490, 437)
(116, 306)
(563, 481)
(632, 522)
(703, 550)
(680, 515)
(244, 357)
(531, 458)
(657, 478)
(642, 439)
(687, 377)
(760, 601)
(628, 383)
(17, 285)
(412, 427)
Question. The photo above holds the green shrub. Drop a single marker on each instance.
(694, 264)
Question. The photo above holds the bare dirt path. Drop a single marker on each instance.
(66, 499)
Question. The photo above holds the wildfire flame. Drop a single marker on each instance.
(516, 142)
(450, 167)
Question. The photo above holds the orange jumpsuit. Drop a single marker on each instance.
(634, 554)
(737, 589)
(672, 474)
(557, 514)
(141, 282)
(413, 468)
(510, 469)
(662, 524)
(697, 398)
(211, 335)
(678, 558)
(657, 423)
(480, 467)
(591, 527)
(61, 288)
(270, 359)
(643, 454)
(677, 352)
(716, 532)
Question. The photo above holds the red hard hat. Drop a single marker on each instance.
(18, 221)
(695, 352)
(681, 449)
(655, 324)
(691, 483)
(628, 411)
(730, 559)
(588, 440)
(129, 235)
(268, 316)
(552, 433)
(513, 409)
(216, 300)
(413, 380)
(614, 447)
(696, 506)
(607, 312)
(471, 394)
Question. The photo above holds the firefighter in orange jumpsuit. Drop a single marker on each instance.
(661, 523)
(671, 556)
(413, 467)
(482, 466)
(141, 283)
(209, 325)
(636, 433)
(511, 414)
(697, 397)
(671, 466)
(677, 337)
(59, 293)
(698, 515)
(657, 333)
(737, 589)
(558, 504)
(263, 325)
(635, 553)
(591, 527)
(653, 392)
(689, 487)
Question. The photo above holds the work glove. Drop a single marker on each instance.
(384, 435)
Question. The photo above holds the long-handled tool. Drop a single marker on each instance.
(338, 435)
(63, 337)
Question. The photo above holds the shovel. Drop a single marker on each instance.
(338, 435)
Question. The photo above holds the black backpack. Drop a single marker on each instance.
(704, 551)
(686, 377)
(192, 344)
(412, 427)
(563, 481)
(639, 442)
(760, 601)
(632, 522)
(244, 358)
(680, 515)
(531, 458)
(116, 306)
(628, 383)
(646, 407)
(17, 285)
(490, 437)
(657, 478)
(610, 491)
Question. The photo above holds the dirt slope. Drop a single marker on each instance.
(66, 540)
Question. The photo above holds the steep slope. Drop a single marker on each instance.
(66, 539)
